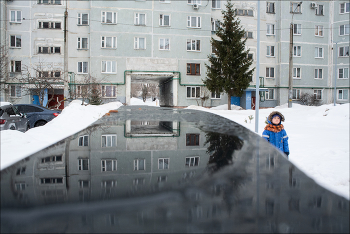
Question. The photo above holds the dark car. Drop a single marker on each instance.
(11, 118)
(37, 115)
(161, 170)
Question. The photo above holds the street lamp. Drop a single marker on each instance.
(290, 83)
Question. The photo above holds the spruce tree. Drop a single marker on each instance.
(228, 70)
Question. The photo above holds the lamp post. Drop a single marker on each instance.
(290, 80)
(257, 73)
(335, 72)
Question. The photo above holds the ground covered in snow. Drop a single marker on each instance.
(318, 136)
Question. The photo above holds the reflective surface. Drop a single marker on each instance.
(145, 169)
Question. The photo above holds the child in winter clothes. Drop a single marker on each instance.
(274, 132)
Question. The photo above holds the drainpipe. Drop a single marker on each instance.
(65, 76)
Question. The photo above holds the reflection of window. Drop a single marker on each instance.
(109, 140)
(20, 186)
(21, 171)
(57, 158)
(192, 161)
(139, 164)
(138, 181)
(163, 163)
(343, 94)
(84, 140)
(294, 183)
(270, 162)
(293, 204)
(162, 179)
(192, 139)
(83, 164)
(51, 180)
(84, 184)
(269, 206)
(316, 202)
(193, 69)
(109, 165)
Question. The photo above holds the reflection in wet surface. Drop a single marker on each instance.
(164, 170)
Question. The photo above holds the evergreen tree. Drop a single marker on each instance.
(228, 70)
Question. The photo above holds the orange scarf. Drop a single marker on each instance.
(274, 128)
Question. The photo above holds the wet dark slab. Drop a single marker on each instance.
(148, 169)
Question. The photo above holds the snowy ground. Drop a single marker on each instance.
(318, 136)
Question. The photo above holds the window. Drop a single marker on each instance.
(270, 94)
(192, 139)
(164, 20)
(51, 180)
(319, 9)
(192, 161)
(82, 43)
(250, 56)
(343, 73)
(108, 17)
(83, 140)
(344, 30)
(51, 2)
(83, 67)
(139, 164)
(193, 21)
(296, 51)
(318, 52)
(215, 95)
(109, 140)
(270, 7)
(163, 163)
(295, 7)
(162, 179)
(193, 45)
(83, 164)
(344, 7)
(108, 165)
(270, 72)
(15, 41)
(49, 50)
(139, 43)
(16, 91)
(248, 35)
(16, 66)
(318, 73)
(83, 19)
(193, 92)
(21, 171)
(193, 69)
(138, 181)
(164, 44)
(318, 94)
(270, 51)
(296, 29)
(164, 1)
(344, 51)
(343, 94)
(108, 67)
(49, 25)
(191, 2)
(108, 42)
(296, 94)
(50, 159)
(296, 72)
(216, 4)
(84, 184)
(109, 91)
(244, 12)
(319, 30)
(15, 16)
(215, 24)
(46, 74)
(140, 19)
(270, 29)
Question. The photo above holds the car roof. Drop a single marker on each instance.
(5, 103)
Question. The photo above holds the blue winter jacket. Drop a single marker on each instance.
(278, 139)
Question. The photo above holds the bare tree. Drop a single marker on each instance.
(88, 89)
(4, 67)
(41, 82)
(144, 92)
(203, 97)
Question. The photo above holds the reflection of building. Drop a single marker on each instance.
(159, 181)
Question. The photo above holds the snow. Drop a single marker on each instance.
(318, 136)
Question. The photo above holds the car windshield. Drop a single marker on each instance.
(144, 169)
(1, 112)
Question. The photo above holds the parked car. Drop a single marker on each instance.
(11, 118)
(37, 115)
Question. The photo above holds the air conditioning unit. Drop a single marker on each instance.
(195, 6)
(313, 5)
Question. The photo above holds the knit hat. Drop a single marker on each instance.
(273, 114)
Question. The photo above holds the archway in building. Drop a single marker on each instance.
(163, 81)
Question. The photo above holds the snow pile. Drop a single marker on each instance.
(16, 145)
(318, 136)
(139, 102)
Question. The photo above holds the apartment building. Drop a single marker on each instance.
(167, 42)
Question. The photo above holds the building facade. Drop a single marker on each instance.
(167, 42)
